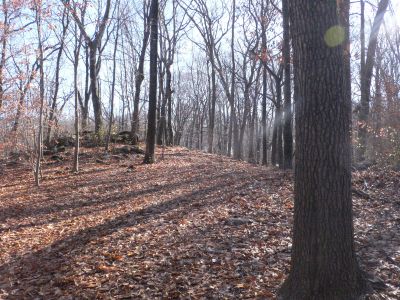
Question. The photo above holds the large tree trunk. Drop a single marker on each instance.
(151, 126)
(324, 264)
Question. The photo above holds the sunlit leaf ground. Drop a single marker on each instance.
(191, 226)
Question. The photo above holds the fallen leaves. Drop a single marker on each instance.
(190, 226)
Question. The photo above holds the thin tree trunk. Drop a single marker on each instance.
(279, 124)
(264, 118)
(287, 122)
(252, 156)
(264, 92)
(211, 115)
(151, 129)
(111, 121)
(366, 79)
(57, 79)
(75, 167)
(139, 77)
(3, 49)
(168, 96)
(41, 94)
(97, 110)
(274, 141)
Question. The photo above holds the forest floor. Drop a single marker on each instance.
(190, 226)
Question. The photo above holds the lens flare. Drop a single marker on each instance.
(335, 36)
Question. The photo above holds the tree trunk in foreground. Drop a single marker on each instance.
(324, 264)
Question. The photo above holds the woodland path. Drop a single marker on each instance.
(191, 226)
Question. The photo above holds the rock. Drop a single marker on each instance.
(65, 141)
(236, 221)
(14, 163)
(47, 152)
(125, 137)
(137, 150)
(57, 157)
(128, 150)
(363, 165)
(18, 156)
(58, 149)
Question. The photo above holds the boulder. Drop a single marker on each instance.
(66, 141)
(236, 221)
(363, 165)
(128, 150)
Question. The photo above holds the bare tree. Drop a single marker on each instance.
(93, 44)
(366, 76)
(39, 143)
(151, 126)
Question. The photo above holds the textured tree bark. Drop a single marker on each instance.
(324, 264)
(287, 106)
(366, 79)
(151, 126)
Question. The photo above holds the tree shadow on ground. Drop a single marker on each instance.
(41, 264)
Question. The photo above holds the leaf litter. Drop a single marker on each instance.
(191, 226)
